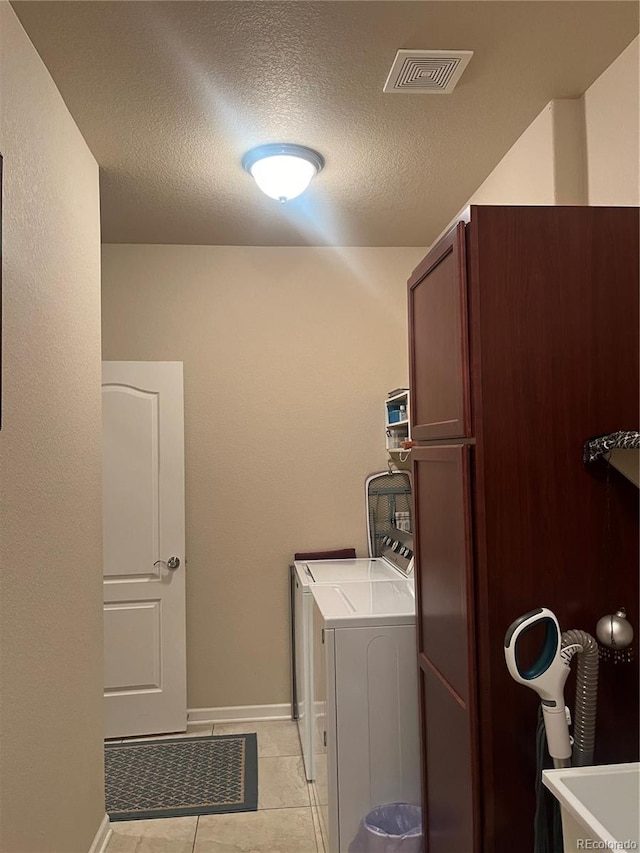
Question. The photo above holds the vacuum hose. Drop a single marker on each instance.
(584, 713)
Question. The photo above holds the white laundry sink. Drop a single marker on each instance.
(600, 806)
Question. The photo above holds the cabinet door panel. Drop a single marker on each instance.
(449, 824)
(438, 342)
(443, 560)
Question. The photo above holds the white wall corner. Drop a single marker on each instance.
(569, 151)
(101, 840)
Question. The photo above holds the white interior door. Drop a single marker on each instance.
(144, 571)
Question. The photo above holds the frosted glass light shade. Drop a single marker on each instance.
(283, 177)
(282, 171)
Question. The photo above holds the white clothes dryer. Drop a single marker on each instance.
(365, 703)
(395, 564)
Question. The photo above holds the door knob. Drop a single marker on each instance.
(172, 563)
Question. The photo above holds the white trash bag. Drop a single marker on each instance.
(392, 828)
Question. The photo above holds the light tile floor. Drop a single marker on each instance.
(286, 820)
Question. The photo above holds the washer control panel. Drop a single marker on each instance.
(398, 549)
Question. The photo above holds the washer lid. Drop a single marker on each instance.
(338, 571)
(349, 605)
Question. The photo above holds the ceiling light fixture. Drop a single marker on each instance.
(282, 171)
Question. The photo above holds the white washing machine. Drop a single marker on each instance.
(396, 563)
(365, 708)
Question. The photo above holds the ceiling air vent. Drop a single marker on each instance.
(427, 72)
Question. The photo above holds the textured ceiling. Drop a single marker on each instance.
(169, 96)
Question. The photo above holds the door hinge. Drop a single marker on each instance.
(324, 738)
(323, 636)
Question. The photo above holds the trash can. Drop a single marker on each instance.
(392, 828)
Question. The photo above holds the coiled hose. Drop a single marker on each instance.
(548, 825)
(584, 712)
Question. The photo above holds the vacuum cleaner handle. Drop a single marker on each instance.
(558, 740)
(547, 675)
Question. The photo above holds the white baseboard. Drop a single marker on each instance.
(239, 714)
(103, 835)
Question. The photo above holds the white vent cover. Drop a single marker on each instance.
(427, 72)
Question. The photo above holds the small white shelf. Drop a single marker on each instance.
(398, 394)
(397, 431)
(400, 459)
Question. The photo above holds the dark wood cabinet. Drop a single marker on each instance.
(450, 824)
(439, 353)
(523, 345)
(443, 540)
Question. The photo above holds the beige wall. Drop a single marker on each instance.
(525, 175)
(583, 151)
(288, 355)
(580, 151)
(51, 771)
(612, 124)
(545, 165)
